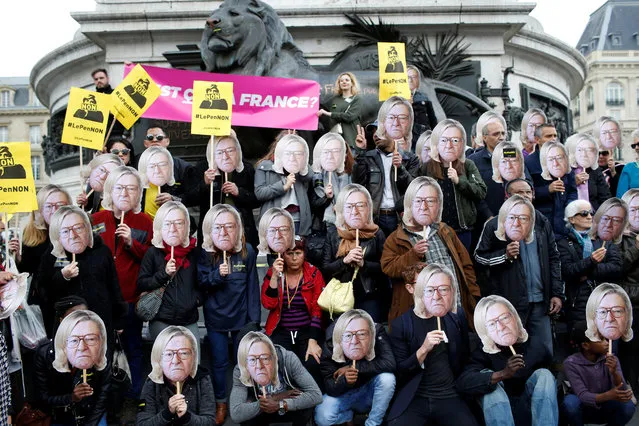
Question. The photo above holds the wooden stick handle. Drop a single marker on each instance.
(330, 175)
(439, 324)
(264, 391)
(81, 165)
(159, 189)
(610, 346)
(178, 388)
(172, 252)
(90, 192)
(72, 257)
(106, 139)
(122, 219)
(603, 245)
(224, 254)
(357, 238)
(425, 232)
(6, 243)
(512, 350)
(84, 376)
(354, 364)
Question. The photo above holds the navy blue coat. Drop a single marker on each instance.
(552, 205)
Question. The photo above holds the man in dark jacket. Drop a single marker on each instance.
(518, 248)
(357, 364)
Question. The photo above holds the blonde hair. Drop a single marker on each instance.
(319, 147)
(523, 135)
(61, 362)
(114, 176)
(98, 161)
(596, 130)
(498, 155)
(610, 203)
(340, 327)
(354, 90)
(571, 146)
(423, 139)
(144, 161)
(481, 310)
(158, 222)
(207, 227)
(412, 190)
(343, 196)
(543, 155)
(56, 223)
(601, 291)
(627, 198)
(420, 286)
(157, 374)
(266, 220)
(36, 231)
(282, 144)
(243, 349)
(505, 209)
(483, 120)
(441, 127)
(212, 145)
(389, 104)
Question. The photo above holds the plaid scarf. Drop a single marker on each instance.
(5, 386)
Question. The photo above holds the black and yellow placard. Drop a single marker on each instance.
(17, 189)
(86, 119)
(393, 77)
(133, 96)
(212, 108)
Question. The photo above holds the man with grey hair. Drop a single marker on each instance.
(491, 130)
(522, 264)
(543, 133)
(423, 107)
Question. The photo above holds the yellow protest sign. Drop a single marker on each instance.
(393, 78)
(86, 118)
(17, 189)
(133, 96)
(212, 108)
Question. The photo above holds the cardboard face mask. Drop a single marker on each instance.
(438, 295)
(174, 228)
(425, 207)
(556, 162)
(611, 317)
(260, 363)
(293, 157)
(158, 169)
(83, 345)
(178, 367)
(585, 154)
(226, 155)
(99, 175)
(356, 339)
(356, 210)
(12, 295)
(518, 223)
(279, 234)
(609, 135)
(224, 231)
(510, 165)
(332, 152)
(74, 234)
(125, 193)
(501, 325)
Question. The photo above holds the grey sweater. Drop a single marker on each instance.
(243, 401)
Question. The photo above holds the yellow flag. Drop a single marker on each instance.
(86, 119)
(393, 78)
(212, 108)
(133, 96)
(17, 189)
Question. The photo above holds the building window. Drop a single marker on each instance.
(36, 101)
(34, 134)
(4, 134)
(637, 96)
(614, 94)
(4, 98)
(578, 106)
(35, 166)
(591, 98)
(616, 114)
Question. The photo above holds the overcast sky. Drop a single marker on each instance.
(33, 28)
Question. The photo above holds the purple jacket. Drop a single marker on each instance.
(589, 378)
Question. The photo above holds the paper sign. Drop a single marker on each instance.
(17, 189)
(86, 119)
(133, 96)
(212, 107)
(393, 78)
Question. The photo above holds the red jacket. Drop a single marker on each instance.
(127, 260)
(312, 286)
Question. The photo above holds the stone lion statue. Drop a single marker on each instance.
(248, 37)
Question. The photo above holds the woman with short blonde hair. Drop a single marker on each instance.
(527, 133)
(342, 111)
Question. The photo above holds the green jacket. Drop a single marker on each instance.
(346, 113)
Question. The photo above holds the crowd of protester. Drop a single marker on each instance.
(463, 263)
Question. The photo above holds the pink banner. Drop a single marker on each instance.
(281, 103)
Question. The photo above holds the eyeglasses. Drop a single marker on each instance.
(128, 188)
(509, 161)
(264, 359)
(557, 158)
(77, 229)
(89, 340)
(228, 227)
(402, 118)
(294, 153)
(182, 354)
(430, 201)
(445, 141)
(502, 319)
(522, 218)
(443, 290)
(331, 152)
(604, 153)
(282, 230)
(51, 206)
(609, 132)
(160, 165)
(123, 151)
(616, 311)
(179, 224)
(228, 152)
(586, 150)
(359, 206)
(158, 138)
(585, 213)
(102, 171)
(361, 335)
(614, 219)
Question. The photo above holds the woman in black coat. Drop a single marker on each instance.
(591, 183)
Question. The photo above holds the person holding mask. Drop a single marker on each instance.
(430, 343)
(533, 118)
(284, 182)
(582, 156)
(171, 263)
(630, 174)
(73, 383)
(585, 262)
(356, 242)
(376, 169)
(357, 365)
(607, 131)
(458, 177)
(609, 314)
(509, 373)
(156, 171)
(423, 237)
(96, 174)
(227, 276)
(270, 385)
(422, 149)
(176, 392)
(123, 148)
(423, 107)
(610, 221)
(345, 107)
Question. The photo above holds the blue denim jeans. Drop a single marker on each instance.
(387, 223)
(539, 398)
(220, 357)
(613, 413)
(537, 324)
(131, 340)
(373, 397)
